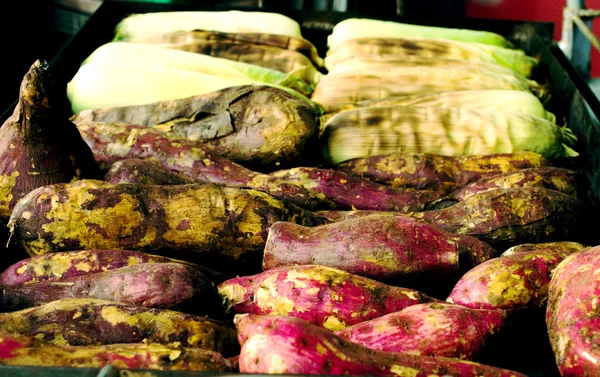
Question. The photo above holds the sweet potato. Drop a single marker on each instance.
(24, 351)
(504, 218)
(567, 247)
(559, 179)
(434, 329)
(321, 295)
(344, 191)
(115, 142)
(430, 171)
(572, 314)
(153, 285)
(143, 172)
(287, 345)
(65, 265)
(250, 124)
(217, 227)
(88, 322)
(384, 248)
(511, 282)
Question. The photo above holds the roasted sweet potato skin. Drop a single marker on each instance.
(505, 218)
(143, 172)
(115, 142)
(384, 248)
(559, 179)
(428, 171)
(287, 345)
(512, 282)
(434, 329)
(572, 314)
(201, 223)
(339, 190)
(24, 351)
(321, 295)
(65, 265)
(88, 322)
(567, 247)
(154, 285)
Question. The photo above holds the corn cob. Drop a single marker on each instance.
(336, 90)
(450, 132)
(419, 48)
(227, 22)
(366, 28)
(508, 100)
(290, 43)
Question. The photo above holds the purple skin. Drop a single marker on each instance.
(321, 295)
(287, 345)
(572, 314)
(512, 282)
(558, 179)
(434, 329)
(154, 285)
(88, 322)
(143, 172)
(344, 191)
(437, 172)
(380, 247)
(111, 143)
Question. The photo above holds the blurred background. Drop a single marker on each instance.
(39, 29)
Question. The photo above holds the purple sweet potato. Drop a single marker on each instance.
(436, 172)
(88, 322)
(558, 179)
(567, 247)
(511, 282)
(572, 314)
(217, 227)
(143, 172)
(115, 142)
(384, 248)
(321, 295)
(287, 345)
(434, 329)
(343, 191)
(337, 216)
(153, 285)
(504, 218)
(20, 350)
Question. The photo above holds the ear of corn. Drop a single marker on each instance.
(450, 132)
(502, 100)
(367, 28)
(418, 48)
(125, 74)
(339, 89)
(283, 42)
(226, 21)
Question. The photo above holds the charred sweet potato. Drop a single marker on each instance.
(433, 329)
(343, 191)
(380, 247)
(287, 345)
(145, 173)
(321, 295)
(24, 351)
(558, 179)
(512, 282)
(429, 171)
(88, 322)
(572, 314)
(153, 285)
(201, 223)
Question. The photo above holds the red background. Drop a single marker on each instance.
(535, 10)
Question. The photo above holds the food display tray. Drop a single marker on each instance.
(571, 100)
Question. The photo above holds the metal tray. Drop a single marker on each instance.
(523, 345)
